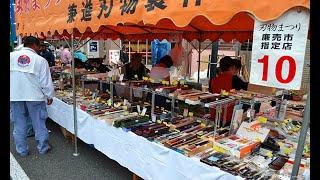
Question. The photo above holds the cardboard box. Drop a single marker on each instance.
(236, 146)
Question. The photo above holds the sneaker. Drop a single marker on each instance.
(23, 155)
(48, 150)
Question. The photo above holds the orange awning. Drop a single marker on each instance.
(149, 19)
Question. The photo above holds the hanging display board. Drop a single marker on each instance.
(114, 57)
(278, 50)
(93, 49)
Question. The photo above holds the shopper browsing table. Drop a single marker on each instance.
(135, 70)
(238, 82)
(66, 56)
(48, 55)
(228, 78)
(161, 71)
(30, 88)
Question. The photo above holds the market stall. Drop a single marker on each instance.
(132, 19)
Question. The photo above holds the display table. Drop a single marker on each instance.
(147, 159)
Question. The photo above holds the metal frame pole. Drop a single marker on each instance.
(147, 50)
(302, 139)
(153, 103)
(199, 58)
(129, 51)
(111, 91)
(131, 94)
(173, 100)
(76, 153)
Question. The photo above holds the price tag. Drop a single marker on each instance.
(117, 105)
(109, 102)
(94, 95)
(185, 112)
(175, 83)
(269, 154)
(287, 151)
(145, 78)
(125, 102)
(248, 113)
(278, 50)
(144, 110)
(139, 109)
(154, 118)
(280, 144)
(224, 93)
(121, 77)
(262, 119)
(219, 149)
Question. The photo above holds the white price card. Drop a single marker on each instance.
(278, 50)
(144, 110)
(138, 108)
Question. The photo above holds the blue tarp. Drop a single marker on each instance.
(159, 49)
(80, 55)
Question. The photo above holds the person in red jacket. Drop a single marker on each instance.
(227, 78)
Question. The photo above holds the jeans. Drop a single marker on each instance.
(36, 111)
(30, 131)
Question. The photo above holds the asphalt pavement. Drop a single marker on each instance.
(60, 164)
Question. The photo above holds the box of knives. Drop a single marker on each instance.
(194, 99)
(158, 129)
(151, 129)
(189, 95)
(127, 122)
(211, 98)
(179, 140)
(180, 147)
(138, 130)
(182, 122)
(182, 92)
(119, 116)
(193, 149)
(189, 126)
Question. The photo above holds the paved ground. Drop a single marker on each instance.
(60, 164)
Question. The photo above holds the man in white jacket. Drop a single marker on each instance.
(30, 88)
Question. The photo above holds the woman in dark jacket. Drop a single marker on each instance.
(135, 70)
(228, 78)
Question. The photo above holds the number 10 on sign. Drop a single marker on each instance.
(278, 69)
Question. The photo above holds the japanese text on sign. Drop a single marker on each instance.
(278, 51)
(105, 7)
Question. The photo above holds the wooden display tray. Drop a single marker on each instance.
(261, 89)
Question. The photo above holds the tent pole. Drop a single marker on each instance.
(199, 59)
(76, 153)
(302, 139)
(129, 51)
(147, 51)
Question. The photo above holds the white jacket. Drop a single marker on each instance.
(30, 78)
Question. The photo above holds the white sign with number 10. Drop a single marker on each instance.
(278, 50)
